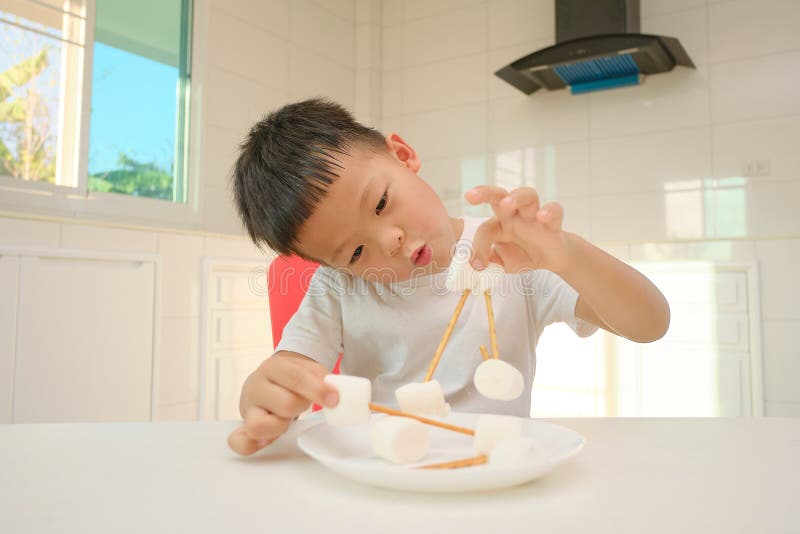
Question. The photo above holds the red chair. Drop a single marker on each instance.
(288, 278)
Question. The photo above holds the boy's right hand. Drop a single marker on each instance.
(282, 387)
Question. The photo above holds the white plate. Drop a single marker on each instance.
(347, 451)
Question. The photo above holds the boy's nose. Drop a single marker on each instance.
(393, 243)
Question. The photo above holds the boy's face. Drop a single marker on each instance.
(379, 220)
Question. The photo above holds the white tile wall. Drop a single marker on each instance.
(179, 360)
(216, 205)
(219, 155)
(750, 28)
(755, 88)
(653, 162)
(649, 8)
(781, 360)
(29, 233)
(231, 248)
(236, 102)
(344, 9)
(513, 22)
(773, 141)
(108, 239)
(688, 26)
(456, 131)
(550, 118)
(312, 75)
(269, 15)
(244, 49)
(314, 28)
(690, 155)
(181, 257)
(259, 56)
(675, 100)
(778, 260)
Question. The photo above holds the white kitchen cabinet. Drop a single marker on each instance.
(9, 277)
(231, 371)
(86, 337)
(236, 333)
(709, 362)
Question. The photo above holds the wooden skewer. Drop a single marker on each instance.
(466, 462)
(492, 331)
(438, 355)
(432, 422)
(484, 353)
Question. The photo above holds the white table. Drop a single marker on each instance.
(634, 475)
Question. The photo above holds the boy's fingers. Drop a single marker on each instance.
(259, 424)
(243, 444)
(552, 215)
(298, 379)
(482, 194)
(278, 400)
(527, 201)
(482, 243)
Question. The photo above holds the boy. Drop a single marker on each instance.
(313, 182)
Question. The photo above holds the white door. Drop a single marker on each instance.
(85, 343)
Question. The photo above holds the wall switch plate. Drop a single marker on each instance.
(756, 167)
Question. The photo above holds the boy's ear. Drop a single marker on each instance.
(403, 152)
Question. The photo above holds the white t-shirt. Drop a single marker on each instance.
(389, 332)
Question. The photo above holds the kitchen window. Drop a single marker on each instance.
(95, 106)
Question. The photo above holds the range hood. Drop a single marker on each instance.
(598, 46)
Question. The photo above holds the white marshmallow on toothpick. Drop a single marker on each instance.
(498, 380)
(511, 452)
(422, 398)
(462, 276)
(355, 394)
(491, 430)
(400, 440)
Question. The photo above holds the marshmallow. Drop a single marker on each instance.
(461, 276)
(511, 452)
(498, 380)
(425, 398)
(400, 440)
(491, 430)
(355, 394)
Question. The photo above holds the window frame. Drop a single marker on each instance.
(78, 201)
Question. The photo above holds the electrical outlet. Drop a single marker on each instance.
(763, 167)
(756, 167)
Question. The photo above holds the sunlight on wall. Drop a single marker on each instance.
(683, 374)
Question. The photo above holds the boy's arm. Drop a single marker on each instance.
(524, 235)
(614, 295)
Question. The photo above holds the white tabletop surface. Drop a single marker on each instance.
(634, 475)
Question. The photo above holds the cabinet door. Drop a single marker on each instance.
(692, 383)
(85, 340)
(232, 370)
(9, 270)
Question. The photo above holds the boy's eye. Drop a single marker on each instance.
(381, 203)
(356, 254)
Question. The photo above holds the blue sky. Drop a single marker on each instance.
(133, 109)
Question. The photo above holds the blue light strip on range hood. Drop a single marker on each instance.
(600, 73)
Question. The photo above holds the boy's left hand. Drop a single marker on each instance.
(522, 234)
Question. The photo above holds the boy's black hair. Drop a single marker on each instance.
(286, 164)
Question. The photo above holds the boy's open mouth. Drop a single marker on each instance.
(422, 256)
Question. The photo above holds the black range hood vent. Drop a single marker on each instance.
(589, 57)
